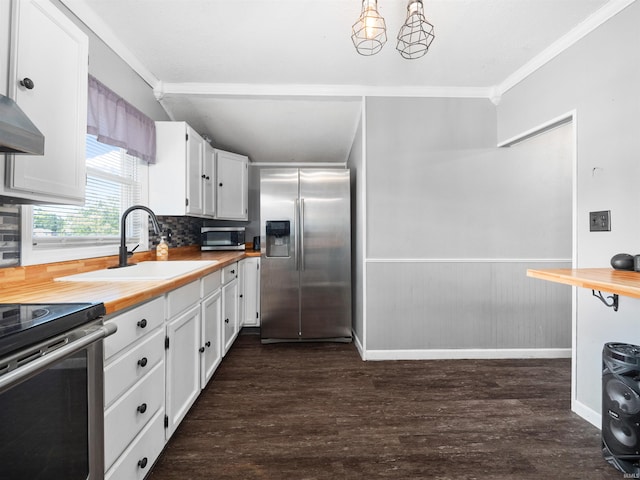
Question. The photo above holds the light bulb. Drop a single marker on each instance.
(369, 23)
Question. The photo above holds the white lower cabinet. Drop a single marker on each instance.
(230, 296)
(163, 354)
(131, 366)
(137, 460)
(134, 379)
(126, 418)
(250, 292)
(183, 365)
(210, 343)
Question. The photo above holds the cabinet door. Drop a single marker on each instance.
(232, 186)
(209, 178)
(53, 52)
(195, 182)
(230, 313)
(183, 366)
(210, 345)
(251, 292)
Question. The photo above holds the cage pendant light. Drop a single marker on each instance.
(416, 34)
(369, 33)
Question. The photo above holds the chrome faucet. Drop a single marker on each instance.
(124, 254)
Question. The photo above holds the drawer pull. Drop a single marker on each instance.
(142, 323)
(143, 463)
(143, 362)
(226, 320)
(142, 408)
(233, 272)
(201, 350)
(208, 344)
(27, 83)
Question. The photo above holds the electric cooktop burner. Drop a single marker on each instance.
(27, 324)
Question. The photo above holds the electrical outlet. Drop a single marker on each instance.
(600, 221)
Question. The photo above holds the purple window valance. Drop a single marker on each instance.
(116, 122)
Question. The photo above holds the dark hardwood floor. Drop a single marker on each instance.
(316, 411)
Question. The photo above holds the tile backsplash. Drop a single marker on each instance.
(9, 235)
(180, 231)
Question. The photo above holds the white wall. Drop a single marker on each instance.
(599, 77)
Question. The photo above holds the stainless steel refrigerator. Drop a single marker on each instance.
(305, 231)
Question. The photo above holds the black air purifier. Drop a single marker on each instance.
(621, 406)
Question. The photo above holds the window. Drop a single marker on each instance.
(114, 183)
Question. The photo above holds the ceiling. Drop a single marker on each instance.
(280, 80)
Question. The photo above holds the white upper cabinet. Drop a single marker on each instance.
(176, 180)
(209, 176)
(195, 183)
(192, 178)
(52, 53)
(232, 186)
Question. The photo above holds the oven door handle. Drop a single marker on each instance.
(41, 363)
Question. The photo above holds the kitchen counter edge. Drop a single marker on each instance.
(621, 282)
(116, 296)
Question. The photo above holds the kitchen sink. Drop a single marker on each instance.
(141, 271)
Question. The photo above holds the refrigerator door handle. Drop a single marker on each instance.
(302, 234)
(296, 223)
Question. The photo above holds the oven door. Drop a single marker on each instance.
(51, 409)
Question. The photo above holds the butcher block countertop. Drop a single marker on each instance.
(622, 282)
(36, 284)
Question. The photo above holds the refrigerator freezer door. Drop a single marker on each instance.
(279, 289)
(325, 253)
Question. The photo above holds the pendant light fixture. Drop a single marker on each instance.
(369, 33)
(416, 34)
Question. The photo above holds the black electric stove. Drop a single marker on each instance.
(27, 324)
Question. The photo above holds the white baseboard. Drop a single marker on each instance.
(459, 354)
(591, 416)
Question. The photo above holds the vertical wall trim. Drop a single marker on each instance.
(363, 199)
(570, 116)
(574, 264)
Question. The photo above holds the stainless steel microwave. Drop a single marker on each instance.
(222, 238)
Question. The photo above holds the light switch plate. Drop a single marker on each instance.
(600, 221)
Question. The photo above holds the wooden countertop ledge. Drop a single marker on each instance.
(36, 284)
(621, 282)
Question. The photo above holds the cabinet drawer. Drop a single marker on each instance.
(134, 324)
(211, 283)
(131, 412)
(138, 459)
(127, 369)
(229, 272)
(182, 298)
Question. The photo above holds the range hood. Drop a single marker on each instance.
(17, 133)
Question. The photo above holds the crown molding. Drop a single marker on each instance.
(163, 89)
(88, 16)
(592, 22)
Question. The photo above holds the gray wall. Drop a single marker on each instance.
(453, 223)
(599, 77)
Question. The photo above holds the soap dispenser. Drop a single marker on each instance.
(162, 250)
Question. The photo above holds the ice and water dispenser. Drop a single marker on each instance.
(278, 239)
